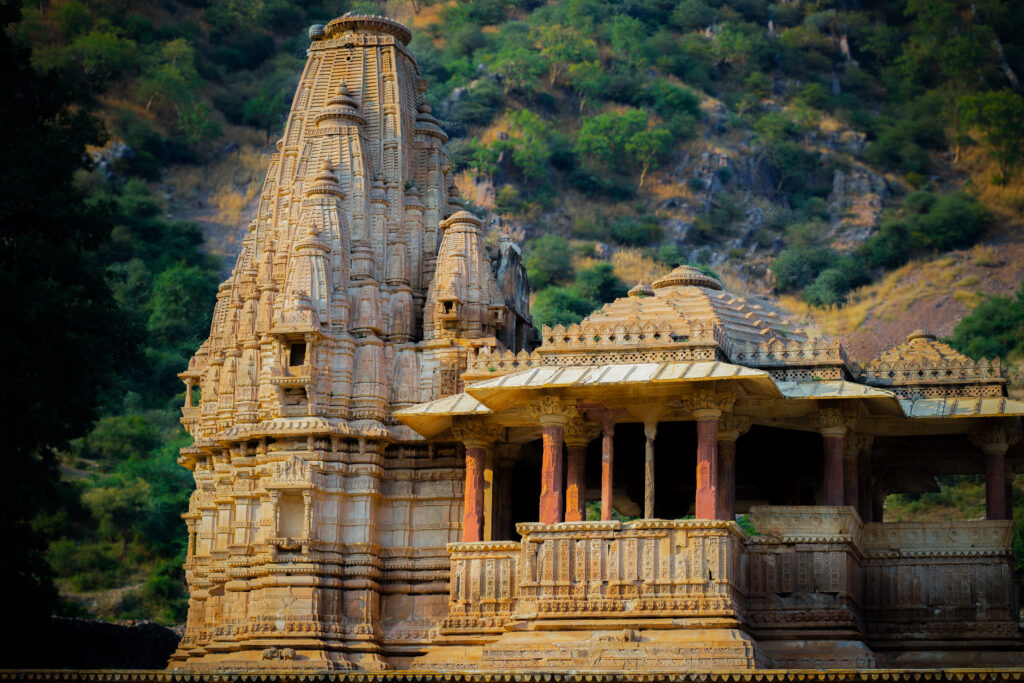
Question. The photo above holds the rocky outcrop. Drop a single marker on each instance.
(855, 205)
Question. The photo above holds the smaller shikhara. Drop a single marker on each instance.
(388, 477)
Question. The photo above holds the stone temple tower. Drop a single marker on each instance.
(318, 526)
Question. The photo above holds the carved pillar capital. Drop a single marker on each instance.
(856, 443)
(552, 410)
(579, 432)
(732, 427)
(832, 421)
(996, 438)
(709, 404)
(477, 434)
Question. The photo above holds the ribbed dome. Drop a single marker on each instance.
(920, 334)
(687, 276)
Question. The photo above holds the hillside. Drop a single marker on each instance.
(860, 162)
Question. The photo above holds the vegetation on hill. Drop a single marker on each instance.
(809, 147)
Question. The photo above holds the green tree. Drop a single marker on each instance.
(562, 46)
(598, 284)
(548, 260)
(648, 148)
(603, 138)
(66, 335)
(120, 508)
(948, 49)
(559, 306)
(182, 298)
(999, 115)
(589, 80)
(994, 329)
(171, 75)
(530, 138)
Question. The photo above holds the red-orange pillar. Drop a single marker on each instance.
(707, 506)
(607, 468)
(575, 483)
(473, 508)
(551, 475)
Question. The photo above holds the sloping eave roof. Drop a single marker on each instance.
(512, 389)
(961, 407)
(433, 417)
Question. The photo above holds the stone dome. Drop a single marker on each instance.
(687, 276)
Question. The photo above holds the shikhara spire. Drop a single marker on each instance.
(329, 322)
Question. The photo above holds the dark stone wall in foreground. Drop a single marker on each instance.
(61, 643)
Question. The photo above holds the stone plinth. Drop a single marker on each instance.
(646, 595)
(939, 593)
(805, 586)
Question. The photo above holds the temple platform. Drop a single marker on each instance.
(810, 587)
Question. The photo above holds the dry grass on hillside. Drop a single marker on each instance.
(933, 295)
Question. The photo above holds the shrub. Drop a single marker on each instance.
(797, 268)
(890, 247)
(828, 289)
(995, 329)
(599, 284)
(954, 220)
(548, 260)
(559, 306)
(478, 105)
(508, 201)
(637, 232)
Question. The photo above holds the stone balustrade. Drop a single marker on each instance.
(482, 586)
(645, 568)
(949, 584)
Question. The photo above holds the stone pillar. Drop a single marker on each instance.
(473, 507)
(994, 441)
(833, 425)
(553, 415)
(607, 468)
(575, 483)
(707, 406)
(489, 494)
(606, 417)
(650, 431)
(730, 428)
(477, 437)
(551, 475)
(578, 435)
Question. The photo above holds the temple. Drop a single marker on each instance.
(391, 472)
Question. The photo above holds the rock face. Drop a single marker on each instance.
(318, 527)
(855, 205)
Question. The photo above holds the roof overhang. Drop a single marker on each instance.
(601, 382)
(434, 417)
